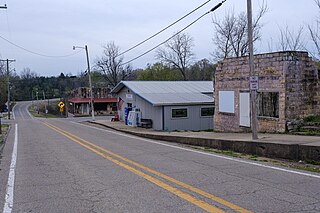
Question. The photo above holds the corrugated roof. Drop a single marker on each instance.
(170, 92)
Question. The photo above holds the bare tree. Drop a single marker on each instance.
(177, 53)
(314, 31)
(290, 40)
(28, 74)
(110, 64)
(231, 38)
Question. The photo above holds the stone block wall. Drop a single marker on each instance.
(302, 87)
(291, 74)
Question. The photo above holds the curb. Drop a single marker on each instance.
(271, 150)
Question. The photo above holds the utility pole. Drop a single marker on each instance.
(2, 7)
(32, 97)
(37, 93)
(8, 83)
(45, 106)
(90, 83)
(253, 92)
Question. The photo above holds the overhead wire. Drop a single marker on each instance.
(39, 54)
(183, 29)
(154, 35)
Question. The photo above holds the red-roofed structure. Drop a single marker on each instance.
(103, 101)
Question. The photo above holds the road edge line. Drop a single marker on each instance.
(8, 205)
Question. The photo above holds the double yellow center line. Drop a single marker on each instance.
(115, 158)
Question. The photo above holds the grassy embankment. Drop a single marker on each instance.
(38, 110)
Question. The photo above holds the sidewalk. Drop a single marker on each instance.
(293, 147)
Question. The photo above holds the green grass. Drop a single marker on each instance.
(4, 125)
(312, 118)
(224, 152)
(41, 114)
(311, 166)
(313, 162)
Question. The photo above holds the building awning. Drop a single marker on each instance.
(105, 100)
(95, 100)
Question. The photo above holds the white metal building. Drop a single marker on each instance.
(171, 105)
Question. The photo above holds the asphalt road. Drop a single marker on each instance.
(64, 166)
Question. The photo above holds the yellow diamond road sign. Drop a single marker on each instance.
(61, 104)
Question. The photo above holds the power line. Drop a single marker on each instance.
(183, 29)
(154, 35)
(39, 54)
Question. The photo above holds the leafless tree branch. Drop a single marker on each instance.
(315, 32)
(110, 65)
(177, 53)
(231, 38)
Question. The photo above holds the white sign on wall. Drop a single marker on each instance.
(226, 101)
(129, 96)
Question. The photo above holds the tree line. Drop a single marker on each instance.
(29, 85)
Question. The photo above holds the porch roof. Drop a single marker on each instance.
(95, 100)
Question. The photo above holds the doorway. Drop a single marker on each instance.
(245, 109)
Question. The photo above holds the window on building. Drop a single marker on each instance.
(269, 104)
(226, 101)
(207, 111)
(179, 113)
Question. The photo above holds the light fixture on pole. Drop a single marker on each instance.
(90, 83)
(253, 90)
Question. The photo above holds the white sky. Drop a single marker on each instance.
(53, 27)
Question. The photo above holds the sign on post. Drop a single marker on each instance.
(254, 82)
(61, 105)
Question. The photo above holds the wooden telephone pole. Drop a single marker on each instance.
(8, 83)
(253, 92)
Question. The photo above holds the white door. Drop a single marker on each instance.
(245, 109)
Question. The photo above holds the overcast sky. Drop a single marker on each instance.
(53, 27)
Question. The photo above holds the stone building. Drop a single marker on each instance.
(289, 89)
(103, 101)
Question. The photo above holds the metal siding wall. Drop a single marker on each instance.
(193, 122)
(150, 112)
(122, 95)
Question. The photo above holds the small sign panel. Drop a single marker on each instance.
(254, 82)
(61, 104)
(129, 96)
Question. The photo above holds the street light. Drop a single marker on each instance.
(89, 73)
